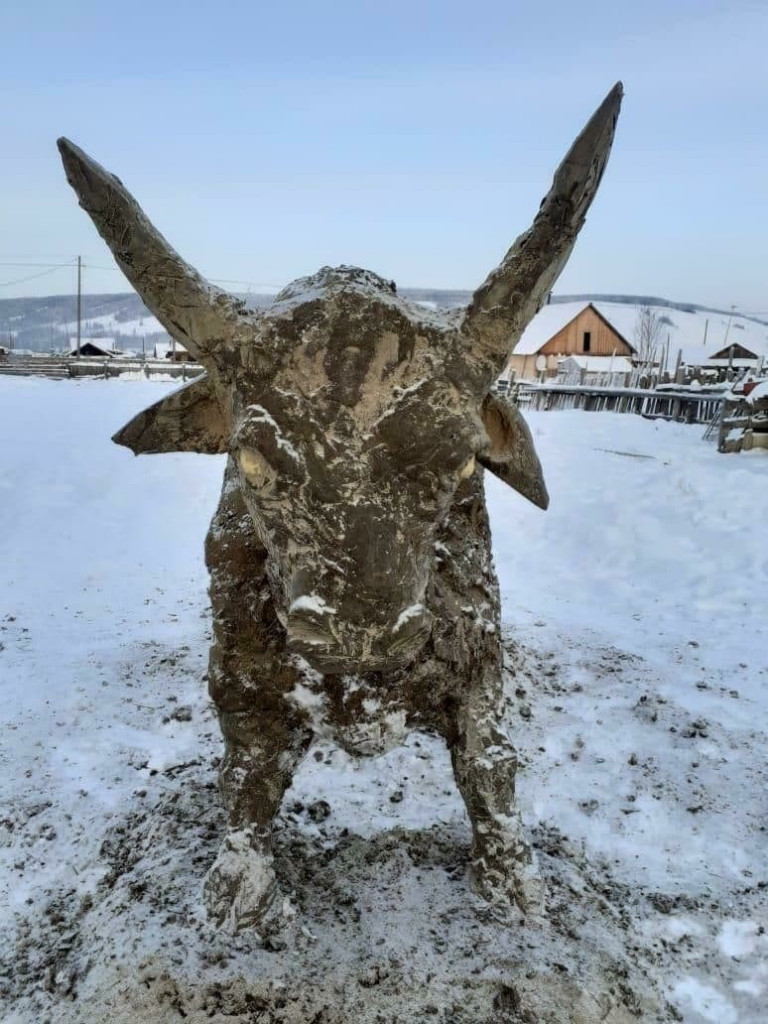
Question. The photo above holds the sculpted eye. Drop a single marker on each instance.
(467, 469)
(255, 468)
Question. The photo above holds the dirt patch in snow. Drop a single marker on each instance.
(377, 930)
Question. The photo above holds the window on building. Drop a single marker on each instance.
(587, 340)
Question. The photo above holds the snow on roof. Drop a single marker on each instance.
(163, 349)
(102, 344)
(107, 344)
(601, 364)
(548, 321)
(759, 393)
(684, 330)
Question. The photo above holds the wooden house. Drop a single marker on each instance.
(172, 350)
(739, 358)
(99, 348)
(563, 329)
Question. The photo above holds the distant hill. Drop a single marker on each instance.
(45, 324)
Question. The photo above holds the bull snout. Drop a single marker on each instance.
(333, 645)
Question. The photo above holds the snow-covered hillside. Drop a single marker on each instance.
(43, 323)
(637, 643)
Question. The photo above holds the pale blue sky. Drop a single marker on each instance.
(413, 138)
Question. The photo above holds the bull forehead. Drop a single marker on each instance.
(349, 347)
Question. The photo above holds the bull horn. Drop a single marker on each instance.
(191, 310)
(513, 293)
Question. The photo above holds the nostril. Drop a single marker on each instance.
(311, 604)
(310, 622)
(411, 620)
(301, 583)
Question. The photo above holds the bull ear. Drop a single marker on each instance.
(510, 454)
(188, 420)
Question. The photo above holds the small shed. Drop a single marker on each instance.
(99, 348)
(172, 350)
(603, 371)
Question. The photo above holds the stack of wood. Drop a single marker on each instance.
(744, 419)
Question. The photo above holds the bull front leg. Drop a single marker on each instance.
(262, 752)
(503, 869)
(468, 701)
(266, 735)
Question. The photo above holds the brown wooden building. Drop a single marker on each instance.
(172, 350)
(565, 329)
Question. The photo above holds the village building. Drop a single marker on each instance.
(738, 357)
(604, 371)
(172, 350)
(562, 330)
(100, 348)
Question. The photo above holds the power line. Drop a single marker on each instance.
(32, 277)
(214, 280)
(68, 264)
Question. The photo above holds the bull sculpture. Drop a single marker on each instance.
(352, 583)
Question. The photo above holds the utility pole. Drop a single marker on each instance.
(79, 299)
(728, 326)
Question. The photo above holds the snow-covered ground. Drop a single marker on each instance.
(638, 653)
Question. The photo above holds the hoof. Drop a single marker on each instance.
(504, 871)
(240, 889)
(519, 887)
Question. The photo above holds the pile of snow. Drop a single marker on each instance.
(636, 641)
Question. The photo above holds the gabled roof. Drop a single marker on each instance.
(164, 349)
(104, 345)
(740, 351)
(553, 318)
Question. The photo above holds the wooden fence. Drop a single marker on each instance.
(663, 403)
(63, 367)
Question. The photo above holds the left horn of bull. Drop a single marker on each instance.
(513, 293)
(190, 309)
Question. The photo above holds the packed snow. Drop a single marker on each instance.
(637, 647)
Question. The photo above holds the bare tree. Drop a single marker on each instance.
(647, 332)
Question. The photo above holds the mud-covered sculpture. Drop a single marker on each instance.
(352, 584)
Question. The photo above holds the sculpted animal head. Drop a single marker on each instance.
(353, 416)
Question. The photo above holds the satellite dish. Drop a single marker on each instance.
(541, 363)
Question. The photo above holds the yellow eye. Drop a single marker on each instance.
(467, 469)
(255, 468)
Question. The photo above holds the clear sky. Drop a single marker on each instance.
(413, 138)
